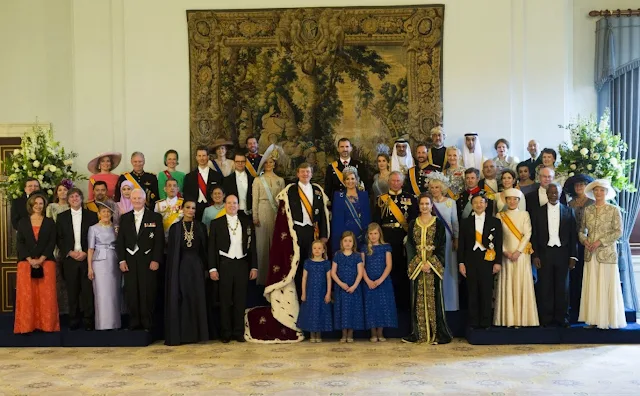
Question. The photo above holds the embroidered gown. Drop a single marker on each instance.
(601, 303)
(107, 277)
(515, 303)
(449, 213)
(265, 212)
(185, 277)
(427, 243)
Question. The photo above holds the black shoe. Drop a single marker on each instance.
(74, 326)
(226, 340)
(239, 338)
(412, 339)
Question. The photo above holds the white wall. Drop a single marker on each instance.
(115, 72)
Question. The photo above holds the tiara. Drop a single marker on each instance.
(439, 176)
(382, 149)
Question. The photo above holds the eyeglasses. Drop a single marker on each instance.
(240, 162)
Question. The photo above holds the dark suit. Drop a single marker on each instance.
(533, 201)
(233, 272)
(230, 186)
(147, 181)
(254, 161)
(18, 210)
(28, 246)
(140, 282)
(532, 165)
(331, 181)
(305, 233)
(421, 180)
(552, 288)
(479, 270)
(79, 287)
(438, 161)
(190, 189)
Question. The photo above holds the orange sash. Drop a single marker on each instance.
(309, 208)
(490, 254)
(507, 220)
(414, 182)
(251, 169)
(133, 181)
(334, 165)
(92, 181)
(221, 213)
(490, 193)
(395, 211)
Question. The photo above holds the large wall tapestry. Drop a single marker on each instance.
(303, 78)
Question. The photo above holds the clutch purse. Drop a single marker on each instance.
(37, 273)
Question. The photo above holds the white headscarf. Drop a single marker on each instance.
(475, 158)
(395, 160)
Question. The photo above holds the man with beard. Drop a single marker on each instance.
(253, 158)
(100, 195)
(401, 159)
(417, 180)
(437, 155)
(472, 152)
(334, 181)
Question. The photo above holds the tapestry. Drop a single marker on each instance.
(303, 78)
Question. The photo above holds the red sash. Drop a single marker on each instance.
(202, 185)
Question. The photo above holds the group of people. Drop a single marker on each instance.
(364, 247)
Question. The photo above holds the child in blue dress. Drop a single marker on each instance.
(315, 310)
(379, 301)
(347, 270)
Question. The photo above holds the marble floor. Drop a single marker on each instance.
(329, 368)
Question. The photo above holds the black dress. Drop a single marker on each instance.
(186, 274)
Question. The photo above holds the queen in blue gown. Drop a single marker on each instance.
(350, 210)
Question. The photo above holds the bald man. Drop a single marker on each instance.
(535, 159)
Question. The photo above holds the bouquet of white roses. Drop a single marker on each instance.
(40, 157)
(596, 151)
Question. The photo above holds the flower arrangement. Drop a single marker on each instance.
(596, 151)
(40, 157)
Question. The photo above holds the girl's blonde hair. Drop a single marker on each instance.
(324, 248)
(372, 227)
(347, 234)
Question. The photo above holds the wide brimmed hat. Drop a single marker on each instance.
(116, 157)
(100, 205)
(220, 142)
(513, 192)
(570, 184)
(604, 183)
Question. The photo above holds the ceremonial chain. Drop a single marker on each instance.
(233, 230)
(188, 235)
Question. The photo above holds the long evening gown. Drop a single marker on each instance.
(107, 277)
(515, 303)
(447, 209)
(185, 297)
(265, 212)
(601, 303)
(426, 243)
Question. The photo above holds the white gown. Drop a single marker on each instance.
(515, 296)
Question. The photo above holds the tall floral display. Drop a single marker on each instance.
(40, 157)
(595, 150)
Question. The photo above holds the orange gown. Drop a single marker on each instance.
(36, 299)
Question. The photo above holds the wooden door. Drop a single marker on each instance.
(7, 235)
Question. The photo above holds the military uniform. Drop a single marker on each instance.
(464, 203)
(394, 233)
(147, 181)
(417, 179)
(332, 182)
(254, 160)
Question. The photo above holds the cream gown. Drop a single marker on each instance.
(601, 302)
(264, 212)
(515, 296)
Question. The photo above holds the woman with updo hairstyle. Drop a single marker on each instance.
(503, 160)
(171, 162)
(351, 211)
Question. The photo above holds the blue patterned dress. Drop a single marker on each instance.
(348, 309)
(379, 303)
(315, 314)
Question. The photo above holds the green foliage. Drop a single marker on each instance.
(41, 157)
(595, 150)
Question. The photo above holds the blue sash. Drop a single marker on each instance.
(272, 201)
(353, 211)
(215, 165)
(446, 223)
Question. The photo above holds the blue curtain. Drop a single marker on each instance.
(617, 80)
